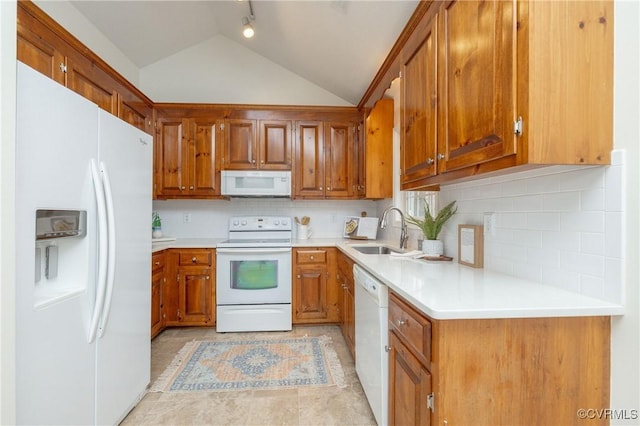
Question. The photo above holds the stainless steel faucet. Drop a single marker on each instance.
(404, 236)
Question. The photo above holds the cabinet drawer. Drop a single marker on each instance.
(411, 326)
(311, 256)
(157, 261)
(195, 257)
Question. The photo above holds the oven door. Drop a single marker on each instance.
(246, 276)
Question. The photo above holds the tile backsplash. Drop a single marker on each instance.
(210, 218)
(559, 225)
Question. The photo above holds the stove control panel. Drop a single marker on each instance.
(260, 223)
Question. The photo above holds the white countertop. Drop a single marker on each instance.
(448, 290)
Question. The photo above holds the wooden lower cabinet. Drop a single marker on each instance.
(158, 279)
(345, 281)
(410, 386)
(515, 371)
(315, 293)
(188, 292)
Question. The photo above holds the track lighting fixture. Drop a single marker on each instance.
(247, 28)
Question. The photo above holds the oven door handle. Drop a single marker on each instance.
(249, 250)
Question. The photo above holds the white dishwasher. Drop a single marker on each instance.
(372, 305)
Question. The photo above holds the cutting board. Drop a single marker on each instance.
(360, 228)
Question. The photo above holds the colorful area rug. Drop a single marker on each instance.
(215, 366)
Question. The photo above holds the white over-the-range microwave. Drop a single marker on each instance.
(250, 183)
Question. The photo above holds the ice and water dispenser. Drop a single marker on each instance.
(59, 233)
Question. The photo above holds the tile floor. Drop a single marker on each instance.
(305, 406)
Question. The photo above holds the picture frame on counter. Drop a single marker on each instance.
(471, 245)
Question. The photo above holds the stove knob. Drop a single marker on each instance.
(243, 223)
(236, 222)
(276, 222)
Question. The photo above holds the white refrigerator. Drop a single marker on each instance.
(83, 237)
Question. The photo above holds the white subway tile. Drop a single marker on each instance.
(542, 257)
(587, 178)
(614, 234)
(527, 203)
(511, 220)
(614, 188)
(590, 221)
(561, 201)
(592, 286)
(561, 240)
(562, 278)
(614, 281)
(592, 243)
(543, 221)
(592, 199)
(582, 263)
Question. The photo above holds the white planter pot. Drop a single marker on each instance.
(157, 233)
(432, 248)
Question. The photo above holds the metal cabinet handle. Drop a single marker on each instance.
(63, 67)
(157, 263)
(401, 322)
(311, 257)
(441, 156)
(194, 259)
(191, 187)
(298, 276)
(430, 161)
(320, 188)
(207, 276)
(182, 188)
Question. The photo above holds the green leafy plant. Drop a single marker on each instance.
(157, 222)
(431, 226)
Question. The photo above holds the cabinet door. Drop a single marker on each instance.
(171, 158)
(309, 164)
(135, 111)
(274, 149)
(157, 282)
(409, 387)
(418, 113)
(348, 316)
(378, 151)
(205, 159)
(476, 60)
(41, 56)
(339, 159)
(310, 294)
(195, 295)
(91, 82)
(240, 144)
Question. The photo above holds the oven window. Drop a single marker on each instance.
(254, 274)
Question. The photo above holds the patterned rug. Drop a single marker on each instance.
(214, 366)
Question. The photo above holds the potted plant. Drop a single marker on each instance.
(431, 227)
(156, 225)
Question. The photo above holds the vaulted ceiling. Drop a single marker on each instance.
(338, 45)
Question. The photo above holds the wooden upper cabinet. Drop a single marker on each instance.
(378, 151)
(40, 49)
(274, 150)
(187, 158)
(477, 61)
(309, 164)
(204, 154)
(339, 159)
(499, 96)
(418, 112)
(257, 144)
(170, 158)
(92, 83)
(48, 48)
(240, 150)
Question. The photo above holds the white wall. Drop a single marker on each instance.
(625, 331)
(63, 12)
(210, 218)
(219, 70)
(7, 216)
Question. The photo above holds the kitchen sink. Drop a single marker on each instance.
(376, 249)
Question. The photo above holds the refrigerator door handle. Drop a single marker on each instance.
(102, 251)
(111, 237)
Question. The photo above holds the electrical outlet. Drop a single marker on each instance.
(489, 224)
(186, 218)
